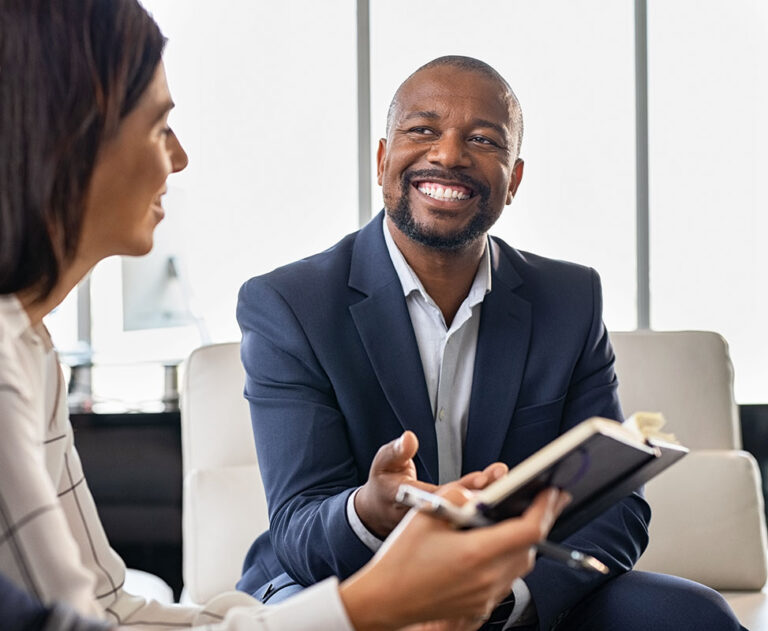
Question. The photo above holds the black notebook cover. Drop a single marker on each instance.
(595, 462)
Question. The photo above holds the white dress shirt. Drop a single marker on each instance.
(51, 540)
(447, 354)
(448, 359)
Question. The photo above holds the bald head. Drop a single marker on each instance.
(467, 64)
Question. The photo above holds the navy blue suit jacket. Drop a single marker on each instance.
(333, 372)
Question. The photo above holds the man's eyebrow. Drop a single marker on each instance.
(422, 114)
(481, 122)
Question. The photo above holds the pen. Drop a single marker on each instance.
(569, 556)
(438, 506)
(442, 508)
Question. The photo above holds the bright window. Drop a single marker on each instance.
(708, 98)
(571, 65)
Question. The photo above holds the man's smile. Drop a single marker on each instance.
(441, 208)
(443, 191)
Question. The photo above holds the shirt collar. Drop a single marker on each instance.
(16, 321)
(411, 283)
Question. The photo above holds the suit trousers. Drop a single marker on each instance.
(638, 601)
(635, 601)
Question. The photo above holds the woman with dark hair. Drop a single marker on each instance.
(85, 150)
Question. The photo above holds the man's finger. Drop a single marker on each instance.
(396, 453)
(481, 479)
(496, 470)
(474, 480)
(408, 445)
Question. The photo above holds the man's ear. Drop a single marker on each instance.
(515, 179)
(381, 153)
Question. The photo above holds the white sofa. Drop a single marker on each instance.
(224, 507)
(708, 521)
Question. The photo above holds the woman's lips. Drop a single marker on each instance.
(157, 209)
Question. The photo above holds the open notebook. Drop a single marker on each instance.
(598, 462)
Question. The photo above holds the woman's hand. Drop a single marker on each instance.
(457, 624)
(427, 570)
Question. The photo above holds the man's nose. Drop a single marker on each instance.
(450, 151)
(179, 158)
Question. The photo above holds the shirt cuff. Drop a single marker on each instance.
(522, 601)
(372, 542)
(319, 608)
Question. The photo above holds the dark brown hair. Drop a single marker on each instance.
(69, 72)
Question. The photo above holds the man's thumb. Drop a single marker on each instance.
(406, 446)
(396, 453)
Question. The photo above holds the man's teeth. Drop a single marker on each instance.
(440, 192)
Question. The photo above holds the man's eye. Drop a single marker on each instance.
(482, 140)
(425, 131)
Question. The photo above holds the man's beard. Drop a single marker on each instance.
(402, 215)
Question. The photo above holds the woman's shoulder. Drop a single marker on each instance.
(28, 364)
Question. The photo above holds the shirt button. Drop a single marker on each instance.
(441, 414)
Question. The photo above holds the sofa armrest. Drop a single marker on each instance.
(149, 586)
(708, 521)
(224, 511)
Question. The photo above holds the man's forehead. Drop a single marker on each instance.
(475, 93)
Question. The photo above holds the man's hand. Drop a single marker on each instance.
(392, 466)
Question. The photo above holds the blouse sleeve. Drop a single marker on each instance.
(38, 550)
(52, 542)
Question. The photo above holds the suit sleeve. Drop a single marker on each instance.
(301, 439)
(619, 536)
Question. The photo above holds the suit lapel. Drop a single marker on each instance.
(385, 328)
(502, 349)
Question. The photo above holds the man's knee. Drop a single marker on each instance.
(645, 600)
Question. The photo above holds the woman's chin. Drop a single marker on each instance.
(136, 247)
(144, 248)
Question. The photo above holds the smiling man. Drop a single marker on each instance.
(421, 321)
(461, 152)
